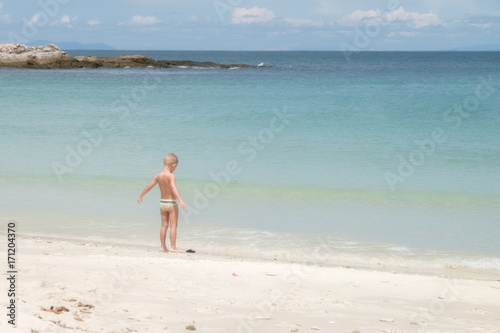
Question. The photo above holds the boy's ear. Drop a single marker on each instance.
(174, 165)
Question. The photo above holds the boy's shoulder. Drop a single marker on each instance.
(164, 174)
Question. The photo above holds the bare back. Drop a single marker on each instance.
(165, 181)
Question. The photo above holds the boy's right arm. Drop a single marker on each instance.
(147, 189)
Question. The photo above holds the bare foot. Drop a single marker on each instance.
(175, 250)
(163, 250)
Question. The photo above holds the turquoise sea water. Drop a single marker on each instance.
(392, 155)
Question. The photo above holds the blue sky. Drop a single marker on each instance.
(256, 25)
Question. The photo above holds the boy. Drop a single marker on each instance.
(168, 204)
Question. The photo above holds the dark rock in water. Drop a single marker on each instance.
(50, 56)
(123, 61)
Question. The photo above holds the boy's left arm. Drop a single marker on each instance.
(147, 189)
(176, 193)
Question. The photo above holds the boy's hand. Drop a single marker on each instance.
(139, 200)
(183, 205)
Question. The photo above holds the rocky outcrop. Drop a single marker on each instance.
(50, 56)
(17, 55)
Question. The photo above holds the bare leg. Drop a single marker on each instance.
(163, 230)
(174, 214)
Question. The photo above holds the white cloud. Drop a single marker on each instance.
(482, 21)
(5, 18)
(138, 20)
(409, 33)
(40, 20)
(93, 22)
(359, 15)
(419, 20)
(65, 19)
(34, 19)
(415, 19)
(482, 26)
(252, 15)
(303, 22)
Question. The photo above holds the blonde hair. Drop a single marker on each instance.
(170, 159)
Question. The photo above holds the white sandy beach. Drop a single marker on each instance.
(119, 289)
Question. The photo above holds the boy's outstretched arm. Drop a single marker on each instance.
(176, 193)
(147, 189)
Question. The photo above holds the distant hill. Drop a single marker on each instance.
(73, 45)
(480, 47)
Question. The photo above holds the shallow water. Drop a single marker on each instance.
(394, 152)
